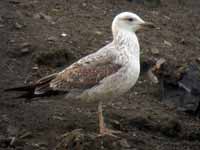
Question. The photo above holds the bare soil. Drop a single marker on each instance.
(32, 44)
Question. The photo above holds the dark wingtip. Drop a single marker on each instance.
(22, 88)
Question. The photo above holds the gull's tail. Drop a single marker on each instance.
(40, 89)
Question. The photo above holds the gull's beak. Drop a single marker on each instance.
(147, 25)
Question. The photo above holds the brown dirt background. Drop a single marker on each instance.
(147, 123)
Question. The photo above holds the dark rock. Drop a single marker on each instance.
(183, 92)
(4, 142)
(142, 124)
(171, 128)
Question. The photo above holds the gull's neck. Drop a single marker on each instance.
(127, 42)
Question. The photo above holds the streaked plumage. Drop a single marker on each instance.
(109, 72)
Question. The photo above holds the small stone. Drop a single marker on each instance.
(26, 44)
(124, 143)
(167, 17)
(167, 43)
(182, 41)
(58, 118)
(25, 50)
(155, 51)
(63, 34)
(11, 41)
(84, 4)
(98, 33)
(52, 39)
(198, 59)
(35, 68)
(18, 25)
(107, 42)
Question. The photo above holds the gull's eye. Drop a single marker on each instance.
(130, 19)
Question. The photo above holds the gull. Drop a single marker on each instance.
(107, 73)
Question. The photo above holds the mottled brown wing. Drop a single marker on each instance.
(82, 76)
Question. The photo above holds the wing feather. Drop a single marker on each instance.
(86, 73)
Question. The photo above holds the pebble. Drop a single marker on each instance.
(35, 68)
(182, 41)
(25, 44)
(84, 4)
(167, 17)
(167, 43)
(11, 41)
(52, 39)
(98, 33)
(18, 25)
(58, 118)
(63, 34)
(198, 59)
(155, 51)
(25, 50)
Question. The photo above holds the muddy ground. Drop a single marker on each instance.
(41, 37)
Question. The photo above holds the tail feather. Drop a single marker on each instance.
(40, 89)
(21, 88)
